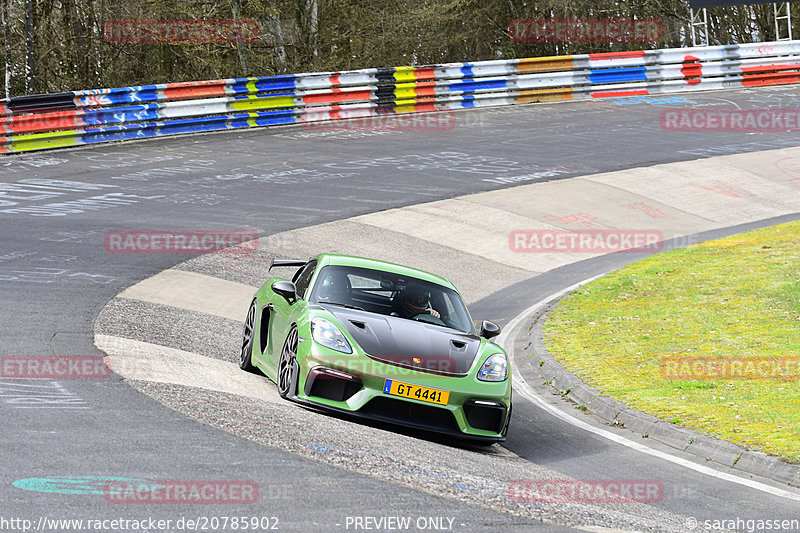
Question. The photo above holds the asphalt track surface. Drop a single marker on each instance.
(57, 277)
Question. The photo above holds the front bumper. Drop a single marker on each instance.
(354, 385)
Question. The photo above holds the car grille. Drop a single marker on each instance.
(486, 417)
(411, 413)
(331, 384)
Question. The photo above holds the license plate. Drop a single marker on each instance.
(424, 394)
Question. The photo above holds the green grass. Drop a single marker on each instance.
(732, 298)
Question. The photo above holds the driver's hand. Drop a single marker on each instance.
(434, 313)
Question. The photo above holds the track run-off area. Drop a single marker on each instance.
(445, 201)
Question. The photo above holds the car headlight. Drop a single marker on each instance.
(495, 368)
(328, 335)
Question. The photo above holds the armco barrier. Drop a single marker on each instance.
(101, 115)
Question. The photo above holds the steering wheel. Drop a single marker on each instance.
(429, 318)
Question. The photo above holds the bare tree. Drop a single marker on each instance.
(58, 45)
(30, 43)
(6, 51)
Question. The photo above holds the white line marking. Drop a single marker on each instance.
(145, 361)
(529, 394)
(47, 407)
(195, 292)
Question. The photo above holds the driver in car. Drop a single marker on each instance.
(335, 289)
(414, 300)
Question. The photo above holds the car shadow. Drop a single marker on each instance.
(482, 447)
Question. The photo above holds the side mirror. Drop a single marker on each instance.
(287, 290)
(489, 329)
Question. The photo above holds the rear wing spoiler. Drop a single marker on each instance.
(287, 263)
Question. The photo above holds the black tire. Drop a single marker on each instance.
(245, 357)
(288, 368)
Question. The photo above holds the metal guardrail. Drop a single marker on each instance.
(103, 115)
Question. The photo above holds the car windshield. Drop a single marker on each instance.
(391, 294)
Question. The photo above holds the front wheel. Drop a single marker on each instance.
(245, 358)
(288, 368)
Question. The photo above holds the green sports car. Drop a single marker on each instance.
(379, 340)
